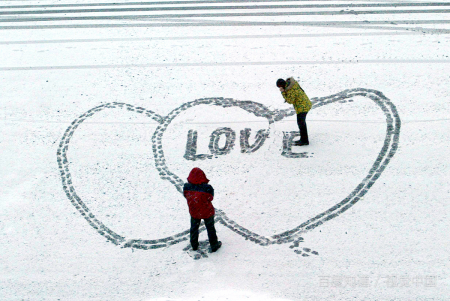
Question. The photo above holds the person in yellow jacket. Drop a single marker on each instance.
(294, 94)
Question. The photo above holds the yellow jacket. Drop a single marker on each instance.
(295, 95)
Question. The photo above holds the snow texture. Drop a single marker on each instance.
(106, 107)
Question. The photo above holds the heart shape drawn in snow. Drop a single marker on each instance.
(386, 153)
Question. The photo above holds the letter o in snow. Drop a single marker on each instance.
(230, 136)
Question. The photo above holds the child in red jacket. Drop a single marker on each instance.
(199, 195)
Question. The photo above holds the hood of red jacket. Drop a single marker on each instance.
(197, 176)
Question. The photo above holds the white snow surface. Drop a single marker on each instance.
(392, 244)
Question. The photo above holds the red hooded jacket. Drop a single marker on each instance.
(199, 195)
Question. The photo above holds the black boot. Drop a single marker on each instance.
(216, 247)
(300, 143)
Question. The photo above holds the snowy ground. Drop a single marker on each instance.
(90, 207)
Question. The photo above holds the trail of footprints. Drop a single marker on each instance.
(291, 236)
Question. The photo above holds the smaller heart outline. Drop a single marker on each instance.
(388, 150)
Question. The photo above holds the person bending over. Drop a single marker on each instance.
(294, 94)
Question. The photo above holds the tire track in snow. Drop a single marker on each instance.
(77, 17)
(387, 3)
(235, 7)
(220, 15)
(211, 64)
(224, 37)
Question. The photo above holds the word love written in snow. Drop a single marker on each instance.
(246, 147)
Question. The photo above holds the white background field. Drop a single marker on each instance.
(391, 245)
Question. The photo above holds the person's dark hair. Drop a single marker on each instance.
(281, 83)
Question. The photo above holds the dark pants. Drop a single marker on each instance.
(301, 121)
(209, 223)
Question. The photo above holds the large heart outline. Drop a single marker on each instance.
(390, 145)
